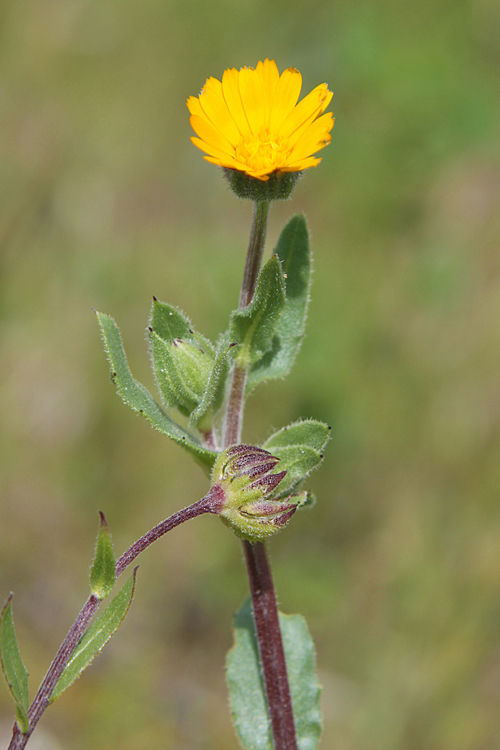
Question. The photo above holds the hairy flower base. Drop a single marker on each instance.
(278, 187)
(251, 121)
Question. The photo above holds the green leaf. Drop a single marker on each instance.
(13, 667)
(102, 573)
(299, 448)
(182, 371)
(294, 253)
(170, 323)
(246, 688)
(135, 395)
(96, 637)
(253, 326)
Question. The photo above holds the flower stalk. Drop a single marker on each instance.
(264, 605)
(211, 503)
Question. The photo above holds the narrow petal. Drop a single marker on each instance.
(210, 135)
(252, 95)
(215, 108)
(285, 97)
(224, 162)
(308, 148)
(194, 106)
(314, 138)
(269, 75)
(231, 94)
(215, 152)
(307, 109)
(299, 166)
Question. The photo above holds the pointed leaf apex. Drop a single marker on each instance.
(102, 573)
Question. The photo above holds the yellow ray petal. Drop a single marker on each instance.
(269, 75)
(252, 98)
(231, 94)
(212, 151)
(308, 146)
(316, 132)
(224, 162)
(285, 97)
(307, 109)
(210, 135)
(215, 108)
(194, 106)
(304, 164)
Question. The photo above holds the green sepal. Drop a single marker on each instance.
(13, 667)
(278, 187)
(135, 395)
(299, 448)
(252, 327)
(183, 359)
(247, 697)
(181, 370)
(102, 572)
(294, 253)
(95, 638)
(213, 396)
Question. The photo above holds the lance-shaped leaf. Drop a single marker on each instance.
(102, 572)
(253, 326)
(170, 323)
(96, 637)
(294, 253)
(299, 448)
(135, 395)
(246, 688)
(13, 667)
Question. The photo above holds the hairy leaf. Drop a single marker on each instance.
(102, 572)
(253, 326)
(96, 637)
(246, 688)
(135, 395)
(13, 667)
(299, 448)
(294, 253)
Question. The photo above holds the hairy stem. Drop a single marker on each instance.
(272, 656)
(209, 504)
(265, 609)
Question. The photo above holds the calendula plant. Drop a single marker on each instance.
(251, 125)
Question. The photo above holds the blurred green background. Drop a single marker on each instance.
(104, 202)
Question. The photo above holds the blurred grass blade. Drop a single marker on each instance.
(253, 326)
(96, 637)
(13, 667)
(246, 689)
(102, 572)
(135, 395)
(294, 253)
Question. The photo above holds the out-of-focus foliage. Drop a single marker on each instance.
(104, 202)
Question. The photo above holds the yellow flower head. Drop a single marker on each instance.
(251, 121)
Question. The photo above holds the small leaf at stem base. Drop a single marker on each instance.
(246, 688)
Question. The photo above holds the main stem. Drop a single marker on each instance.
(265, 609)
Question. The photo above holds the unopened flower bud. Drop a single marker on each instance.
(245, 475)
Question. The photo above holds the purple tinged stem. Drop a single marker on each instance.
(211, 503)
